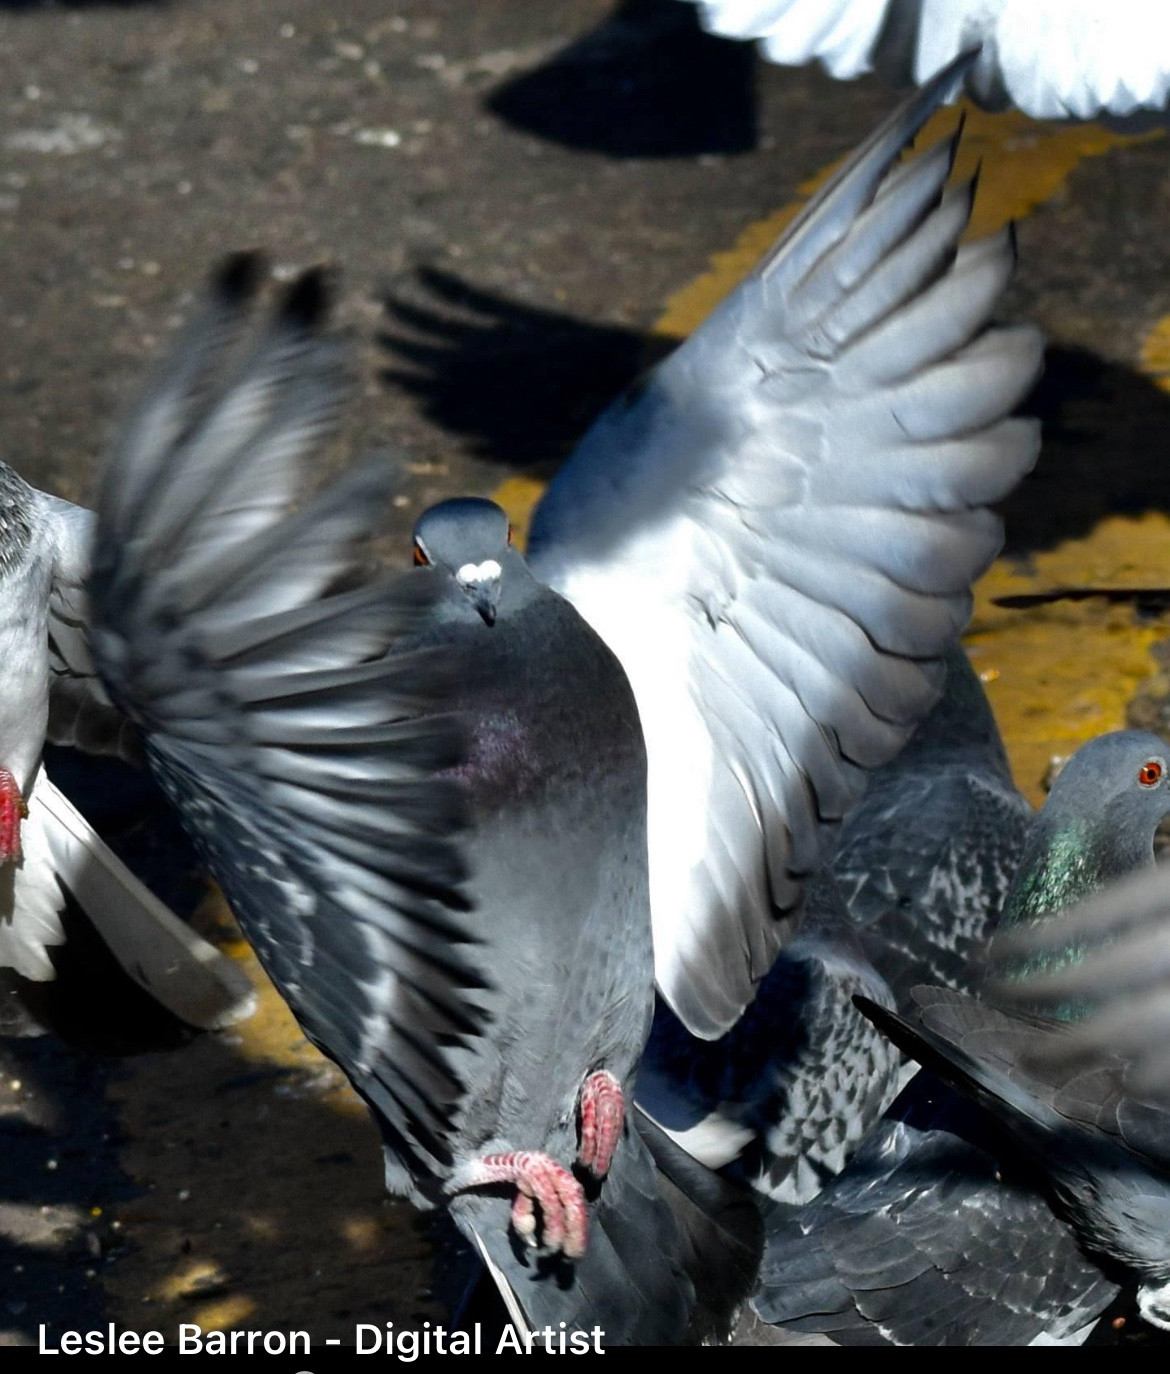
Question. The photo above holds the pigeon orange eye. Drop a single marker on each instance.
(511, 535)
(420, 558)
(1150, 773)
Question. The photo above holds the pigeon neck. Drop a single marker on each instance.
(1067, 859)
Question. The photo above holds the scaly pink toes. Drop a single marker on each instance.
(12, 811)
(539, 1180)
(603, 1110)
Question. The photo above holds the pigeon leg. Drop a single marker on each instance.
(12, 811)
(538, 1179)
(603, 1110)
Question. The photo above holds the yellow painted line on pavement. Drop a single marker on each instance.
(1058, 675)
(1022, 164)
(1155, 354)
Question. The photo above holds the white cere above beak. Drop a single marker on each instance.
(471, 574)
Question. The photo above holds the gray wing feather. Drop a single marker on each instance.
(931, 1236)
(777, 533)
(300, 752)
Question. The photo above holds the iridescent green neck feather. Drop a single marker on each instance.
(1066, 860)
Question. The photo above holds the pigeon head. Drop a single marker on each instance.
(469, 538)
(1098, 823)
(1124, 778)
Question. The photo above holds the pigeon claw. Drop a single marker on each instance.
(12, 811)
(541, 1183)
(603, 1112)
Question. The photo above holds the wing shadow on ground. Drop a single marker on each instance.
(646, 82)
(1105, 429)
(519, 384)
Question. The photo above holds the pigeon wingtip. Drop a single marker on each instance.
(948, 77)
(238, 277)
(308, 298)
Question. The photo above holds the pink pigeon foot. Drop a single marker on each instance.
(539, 1179)
(12, 811)
(603, 1111)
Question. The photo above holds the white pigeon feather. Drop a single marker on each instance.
(161, 953)
(1050, 58)
(52, 691)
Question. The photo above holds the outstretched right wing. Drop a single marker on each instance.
(777, 533)
(250, 649)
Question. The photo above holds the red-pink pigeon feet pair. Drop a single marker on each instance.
(540, 1179)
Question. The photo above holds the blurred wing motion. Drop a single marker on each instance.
(1119, 983)
(1050, 58)
(776, 533)
(245, 644)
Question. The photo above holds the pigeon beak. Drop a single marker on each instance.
(485, 597)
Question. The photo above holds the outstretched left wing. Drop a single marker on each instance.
(250, 647)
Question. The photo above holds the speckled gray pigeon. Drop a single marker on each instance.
(937, 1232)
(928, 853)
(1103, 1147)
(786, 1096)
(776, 533)
(783, 1098)
(423, 796)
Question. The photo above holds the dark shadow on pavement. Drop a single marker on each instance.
(520, 382)
(1104, 451)
(647, 82)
